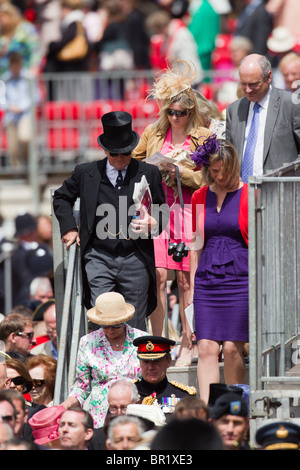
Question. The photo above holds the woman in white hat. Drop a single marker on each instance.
(105, 355)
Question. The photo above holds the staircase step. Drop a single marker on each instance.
(188, 375)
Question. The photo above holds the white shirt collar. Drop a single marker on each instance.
(112, 172)
(264, 102)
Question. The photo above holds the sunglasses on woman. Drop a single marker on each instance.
(26, 384)
(38, 382)
(174, 112)
(112, 326)
(19, 380)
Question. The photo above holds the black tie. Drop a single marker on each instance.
(119, 180)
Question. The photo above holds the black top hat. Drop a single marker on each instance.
(25, 223)
(118, 136)
(152, 347)
(278, 435)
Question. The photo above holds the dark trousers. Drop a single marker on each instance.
(123, 273)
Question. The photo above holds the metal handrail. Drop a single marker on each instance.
(71, 316)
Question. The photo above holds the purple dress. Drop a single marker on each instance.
(221, 279)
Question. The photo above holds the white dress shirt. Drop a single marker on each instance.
(258, 157)
(112, 173)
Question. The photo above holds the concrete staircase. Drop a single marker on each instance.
(18, 196)
(188, 375)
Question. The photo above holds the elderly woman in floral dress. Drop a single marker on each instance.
(105, 355)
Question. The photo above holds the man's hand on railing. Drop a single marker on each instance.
(70, 237)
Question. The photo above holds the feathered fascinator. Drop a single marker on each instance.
(204, 150)
(173, 81)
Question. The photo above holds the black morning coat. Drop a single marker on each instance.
(85, 183)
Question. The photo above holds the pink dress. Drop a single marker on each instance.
(179, 228)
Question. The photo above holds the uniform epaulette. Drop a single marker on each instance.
(191, 390)
(134, 381)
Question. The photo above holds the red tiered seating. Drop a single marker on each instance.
(93, 111)
(63, 110)
(63, 121)
(63, 138)
(146, 111)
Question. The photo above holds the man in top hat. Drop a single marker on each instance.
(279, 435)
(154, 386)
(116, 248)
(230, 417)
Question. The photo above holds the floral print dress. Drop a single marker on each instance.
(97, 368)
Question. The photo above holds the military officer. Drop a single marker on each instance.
(154, 386)
(279, 435)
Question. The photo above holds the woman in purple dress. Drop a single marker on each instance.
(219, 264)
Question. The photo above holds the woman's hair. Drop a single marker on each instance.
(188, 101)
(49, 365)
(191, 404)
(72, 4)
(208, 109)
(231, 169)
(19, 366)
(174, 86)
(14, 14)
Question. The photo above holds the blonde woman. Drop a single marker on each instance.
(175, 134)
(219, 264)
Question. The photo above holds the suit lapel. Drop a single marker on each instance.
(135, 175)
(241, 128)
(273, 108)
(91, 190)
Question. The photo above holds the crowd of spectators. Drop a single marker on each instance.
(131, 35)
(148, 34)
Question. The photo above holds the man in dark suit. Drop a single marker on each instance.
(255, 23)
(277, 137)
(34, 258)
(116, 247)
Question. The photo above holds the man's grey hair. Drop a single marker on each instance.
(124, 419)
(39, 283)
(264, 64)
(125, 382)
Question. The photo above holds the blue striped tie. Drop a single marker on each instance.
(247, 167)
